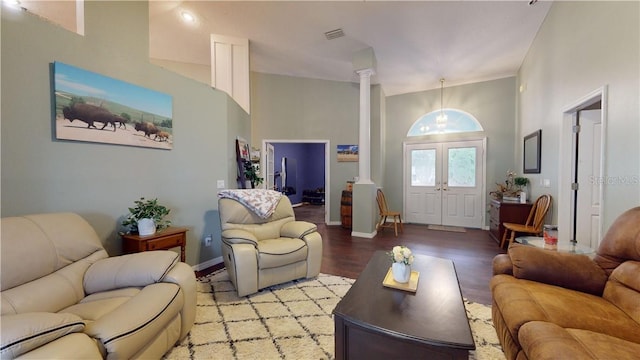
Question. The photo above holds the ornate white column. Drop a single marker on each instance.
(364, 146)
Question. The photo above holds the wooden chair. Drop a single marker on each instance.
(385, 212)
(534, 223)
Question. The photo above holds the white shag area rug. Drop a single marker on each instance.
(288, 321)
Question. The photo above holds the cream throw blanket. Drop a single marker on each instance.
(262, 202)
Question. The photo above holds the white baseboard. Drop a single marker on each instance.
(334, 223)
(364, 235)
(207, 264)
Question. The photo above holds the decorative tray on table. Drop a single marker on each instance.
(411, 286)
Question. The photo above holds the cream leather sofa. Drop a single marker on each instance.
(262, 252)
(64, 298)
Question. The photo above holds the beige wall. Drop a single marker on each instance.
(99, 181)
(583, 46)
(491, 102)
(292, 108)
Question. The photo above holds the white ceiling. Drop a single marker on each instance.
(415, 42)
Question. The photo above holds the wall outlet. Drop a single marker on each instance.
(547, 183)
(220, 184)
(208, 239)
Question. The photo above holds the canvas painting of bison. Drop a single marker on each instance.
(96, 108)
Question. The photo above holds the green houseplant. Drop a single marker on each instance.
(520, 182)
(251, 174)
(146, 209)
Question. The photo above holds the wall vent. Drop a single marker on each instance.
(334, 34)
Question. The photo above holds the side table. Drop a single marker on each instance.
(562, 246)
(162, 240)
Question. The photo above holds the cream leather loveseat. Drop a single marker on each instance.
(64, 298)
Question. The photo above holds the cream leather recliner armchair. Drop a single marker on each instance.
(63, 297)
(262, 252)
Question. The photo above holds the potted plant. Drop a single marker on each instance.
(521, 183)
(146, 217)
(251, 174)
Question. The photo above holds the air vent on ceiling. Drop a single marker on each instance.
(334, 34)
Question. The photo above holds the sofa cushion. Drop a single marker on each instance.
(24, 332)
(548, 341)
(76, 346)
(47, 243)
(95, 306)
(50, 293)
(521, 301)
(280, 252)
(570, 271)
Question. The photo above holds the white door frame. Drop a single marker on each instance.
(483, 198)
(327, 174)
(569, 113)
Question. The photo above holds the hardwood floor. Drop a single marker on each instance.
(343, 255)
(471, 252)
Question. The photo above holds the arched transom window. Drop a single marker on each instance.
(456, 121)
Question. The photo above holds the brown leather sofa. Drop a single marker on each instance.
(261, 252)
(63, 297)
(550, 305)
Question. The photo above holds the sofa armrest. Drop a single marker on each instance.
(238, 236)
(24, 332)
(183, 276)
(502, 265)
(133, 270)
(297, 229)
(571, 271)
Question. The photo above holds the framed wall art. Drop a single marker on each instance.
(347, 152)
(95, 108)
(531, 152)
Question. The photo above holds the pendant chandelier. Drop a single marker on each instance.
(441, 120)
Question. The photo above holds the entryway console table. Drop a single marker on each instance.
(506, 211)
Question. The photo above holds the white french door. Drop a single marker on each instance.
(270, 167)
(444, 183)
(588, 177)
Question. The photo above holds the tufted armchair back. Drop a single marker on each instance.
(621, 242)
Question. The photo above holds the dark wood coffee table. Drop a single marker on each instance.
(373, 321)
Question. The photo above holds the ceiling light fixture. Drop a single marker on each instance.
(187, 16)
(441, 120)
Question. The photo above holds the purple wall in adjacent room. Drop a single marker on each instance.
(309, 158)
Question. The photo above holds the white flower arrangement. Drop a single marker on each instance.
(401, 254)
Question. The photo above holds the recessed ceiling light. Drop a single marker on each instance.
(187, 16)
(12, 2)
